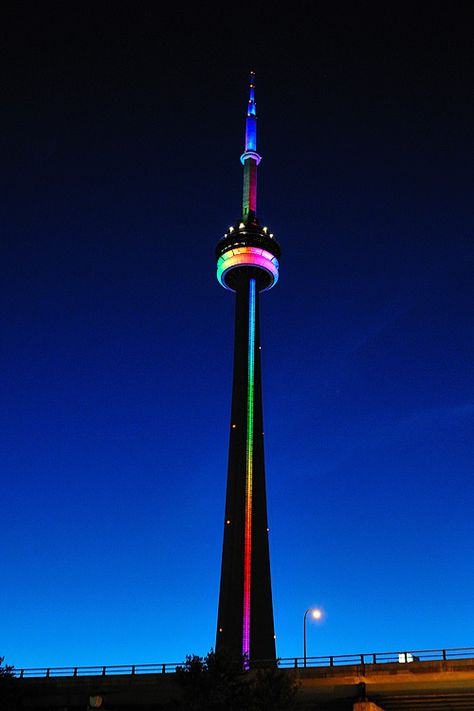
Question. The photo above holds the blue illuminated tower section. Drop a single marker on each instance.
(247, 264)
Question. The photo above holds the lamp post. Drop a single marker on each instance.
(316, 615)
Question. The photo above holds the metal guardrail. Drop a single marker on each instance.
(406, 657)
(109, 670)
(424, 655)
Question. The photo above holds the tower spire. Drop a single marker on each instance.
(251, 122)
(250, 159)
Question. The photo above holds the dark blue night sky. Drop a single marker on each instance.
(121, 133)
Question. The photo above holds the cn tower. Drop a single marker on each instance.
(247, 264)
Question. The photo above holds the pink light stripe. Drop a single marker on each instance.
(249, 474)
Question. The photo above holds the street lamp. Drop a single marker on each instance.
(316, 615)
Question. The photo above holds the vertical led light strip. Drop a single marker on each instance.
(249, 201)
(249, 472)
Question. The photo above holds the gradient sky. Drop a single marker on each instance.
(121, 133)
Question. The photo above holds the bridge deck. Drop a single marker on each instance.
(417, 686)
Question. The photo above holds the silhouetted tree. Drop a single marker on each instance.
(8, 699)
(275, 689)
(218, 683)
(6, 670)
(214, 682)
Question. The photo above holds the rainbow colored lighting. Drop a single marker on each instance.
(251, 122)
(250, 158)
(247, 263)
(249, 473)
(247, 257)
(249, 197)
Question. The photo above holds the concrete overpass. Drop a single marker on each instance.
(418, 686)
(371, 684)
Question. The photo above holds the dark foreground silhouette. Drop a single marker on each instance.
(216, 682)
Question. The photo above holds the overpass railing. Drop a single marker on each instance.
(405, 657)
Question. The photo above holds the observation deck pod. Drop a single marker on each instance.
(251, 251)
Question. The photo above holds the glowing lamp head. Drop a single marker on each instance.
(316, 614)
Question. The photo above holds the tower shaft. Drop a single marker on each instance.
(245, 618)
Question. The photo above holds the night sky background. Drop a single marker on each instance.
(121, 131)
